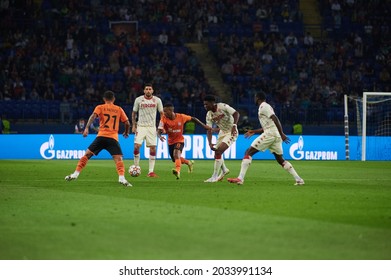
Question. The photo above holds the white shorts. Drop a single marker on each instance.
(268, 142)
(226, 138)
(147, 133)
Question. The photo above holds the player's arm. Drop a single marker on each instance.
(209, 132)
(92, 126)
(279, 127)
(89, 122)
(236, 116)
(134, 122)
(251, 132)
(207, 127)
(160, 131)
(159, 134)
(127, 128)
(160, 107)
(209, 137)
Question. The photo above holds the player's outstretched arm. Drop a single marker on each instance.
(207, 127)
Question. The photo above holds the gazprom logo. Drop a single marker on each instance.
(46, 149)
(296, 149)
(297, 152)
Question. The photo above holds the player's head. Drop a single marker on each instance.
(168, 110)
(148, 90)
(209, 102)
(109, 96)
(259, 97)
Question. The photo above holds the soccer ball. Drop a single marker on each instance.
(134, 170)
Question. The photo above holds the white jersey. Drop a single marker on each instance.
(147, 110)
(265, 111)
(222, 117)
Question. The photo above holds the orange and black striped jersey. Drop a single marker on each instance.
(110, 116)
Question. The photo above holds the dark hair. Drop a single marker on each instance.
(210, 98)
(109, 95)
(148, 85)
(168, 105)
(261, 95)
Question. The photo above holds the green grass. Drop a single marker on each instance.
(343, 212)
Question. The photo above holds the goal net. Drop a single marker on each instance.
(371, 115)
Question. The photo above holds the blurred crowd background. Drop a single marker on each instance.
(58, 57)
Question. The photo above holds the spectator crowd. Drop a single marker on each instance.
(65, 54)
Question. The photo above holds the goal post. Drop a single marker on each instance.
(365, 115)
(346, 127)
(371, 115)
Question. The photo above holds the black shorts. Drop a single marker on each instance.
(175, 146)
(105, 143)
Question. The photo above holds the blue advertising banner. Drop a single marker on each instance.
(72, 146)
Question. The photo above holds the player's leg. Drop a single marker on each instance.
(220, 148)
(261, 143)
(176, 159)
(224, 141)
(224, 169)
(94, 149)
(115, 151)
(120, 166)
(152, 161)
(80, 165)
(189, 163)
(136, 154)
(177, 156)
(139, 138)
(276, 149)
(151, 139)
(245, 164)
(289, 168)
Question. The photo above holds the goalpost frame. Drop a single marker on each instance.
(364, 119)
(346, 127)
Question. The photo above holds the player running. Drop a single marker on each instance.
(172, 123)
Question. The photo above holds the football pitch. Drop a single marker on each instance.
(342, 212)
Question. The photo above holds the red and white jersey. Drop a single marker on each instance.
(147, 109)
(265, 111)
(223, 117)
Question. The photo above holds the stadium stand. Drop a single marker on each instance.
(77, 49)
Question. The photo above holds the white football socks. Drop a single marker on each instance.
(244, 167)
(288, 167)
